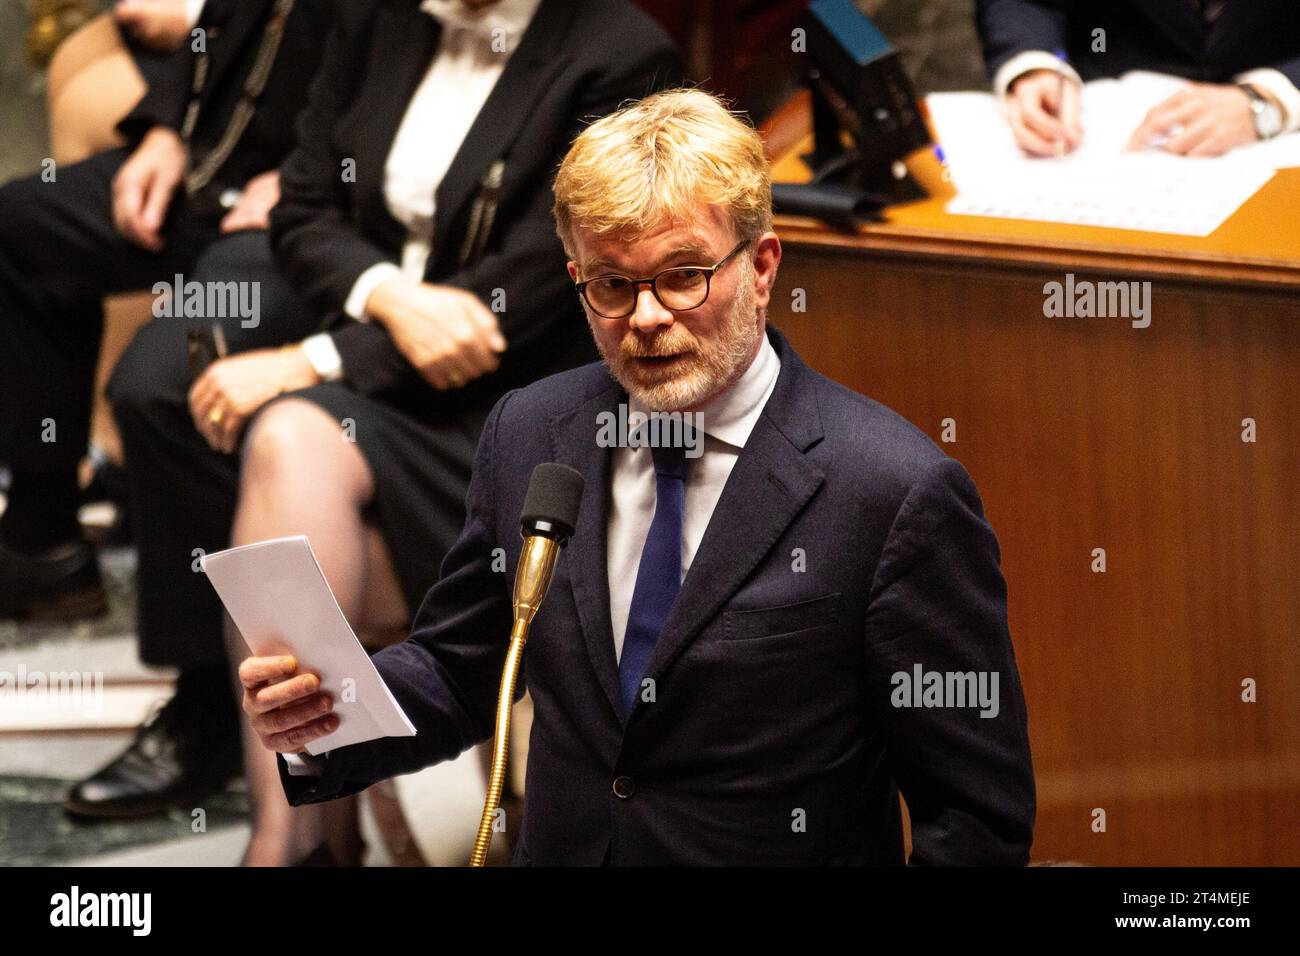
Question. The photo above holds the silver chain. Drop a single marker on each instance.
(201, 175)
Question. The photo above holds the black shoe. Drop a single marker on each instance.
(61, 583)
(174, 761)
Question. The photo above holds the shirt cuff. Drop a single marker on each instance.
(1022, 63)
(305, 765)
(366, 283)
(324, 356)
(1283, 90)
(193, 10)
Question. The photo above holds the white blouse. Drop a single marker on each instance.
(472, 54)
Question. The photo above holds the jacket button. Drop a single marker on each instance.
(624, 787)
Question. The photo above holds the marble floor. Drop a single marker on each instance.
(48, 743)
(46, 746)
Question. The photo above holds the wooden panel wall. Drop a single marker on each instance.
(1088, 433)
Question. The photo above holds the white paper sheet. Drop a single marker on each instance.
(1099, 184)
(281, 603)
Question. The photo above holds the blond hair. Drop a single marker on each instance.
(655, 161)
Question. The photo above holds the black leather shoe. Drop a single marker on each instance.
(174, 761)
(61, 583)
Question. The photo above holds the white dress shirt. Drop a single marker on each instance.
(473, 50)
(727, 421)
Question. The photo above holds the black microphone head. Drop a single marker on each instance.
(551, 505)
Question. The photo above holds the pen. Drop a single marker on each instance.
(942, 157)
(1060, 103)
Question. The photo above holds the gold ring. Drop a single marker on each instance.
(455, 380)
(216, 415)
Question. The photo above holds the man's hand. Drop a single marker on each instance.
(285, 708)
(1044, 113)
(161, 24)
(446, 333)
(1202, 119)
(253, 211)
(227, 394)
(144, 186)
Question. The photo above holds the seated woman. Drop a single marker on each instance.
(414, 220)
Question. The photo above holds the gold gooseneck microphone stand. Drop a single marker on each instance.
(550, 514)
(536, 564)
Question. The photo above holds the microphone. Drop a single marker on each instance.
(550, 514)
(546, 524)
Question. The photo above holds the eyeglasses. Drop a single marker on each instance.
(679, 289)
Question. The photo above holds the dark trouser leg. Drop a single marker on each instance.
(183, 493)
(59, 255)
(183, 498)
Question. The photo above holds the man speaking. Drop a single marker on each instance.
(753, 641)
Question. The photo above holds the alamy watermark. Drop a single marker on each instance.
(75, 908)
(179, 299)
(946, 689)
(632, 429)
(75, 692)
(1082, 299)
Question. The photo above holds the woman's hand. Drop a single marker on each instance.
(447, 334)
(228, 393)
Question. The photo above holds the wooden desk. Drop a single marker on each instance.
(1089, 433)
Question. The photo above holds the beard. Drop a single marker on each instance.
(699, 369)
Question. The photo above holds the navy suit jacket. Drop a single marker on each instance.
(1168, 36)
(846, 547)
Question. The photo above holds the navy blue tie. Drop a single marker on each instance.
(659, 575)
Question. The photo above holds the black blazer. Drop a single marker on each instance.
(1169, 36)
(234, 31)
(577, 61)
(773, 687)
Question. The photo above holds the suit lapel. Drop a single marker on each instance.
(407, 38)
(508, 108)
(245, 23)
(769, 485)
(574, 444)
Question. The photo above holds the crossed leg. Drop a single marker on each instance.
(301, 476)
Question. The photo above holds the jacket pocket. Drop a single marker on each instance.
(784, 619)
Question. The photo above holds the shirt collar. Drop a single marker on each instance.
(510, 16)
(732, 415)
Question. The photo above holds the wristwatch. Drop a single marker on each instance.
(1268, 117)
(323, 356)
